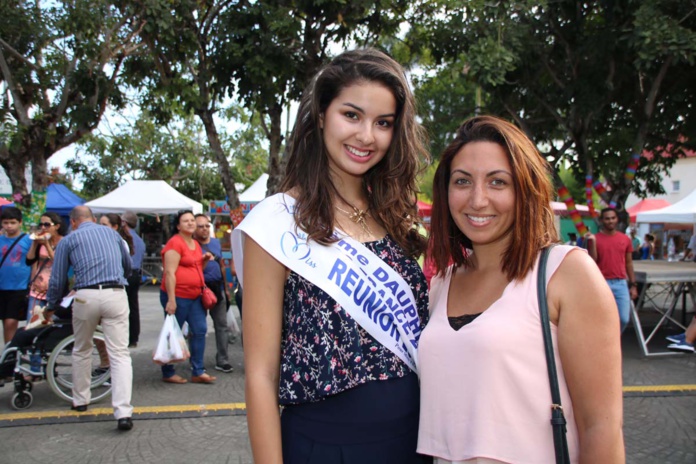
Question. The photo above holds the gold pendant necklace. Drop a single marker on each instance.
(358, 216)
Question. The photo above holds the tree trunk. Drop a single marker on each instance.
(275, 172)
(214, 141)
(15, 167)
(39, 171)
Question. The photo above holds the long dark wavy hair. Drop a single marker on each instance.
(115, 220)
(390, 185)
(57, 220)
(533, 227)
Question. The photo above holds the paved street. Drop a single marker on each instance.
(206, 423)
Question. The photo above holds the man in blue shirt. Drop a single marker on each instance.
(213, 275)
(101, 262)
(130, 219)
(14, 272)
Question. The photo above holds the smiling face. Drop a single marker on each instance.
(481, 193)
(358, 126)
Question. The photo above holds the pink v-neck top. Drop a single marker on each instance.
(484, 388)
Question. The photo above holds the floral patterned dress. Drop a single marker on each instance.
(324, 351)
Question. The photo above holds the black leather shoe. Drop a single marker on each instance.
(125, 423)
(81, 408)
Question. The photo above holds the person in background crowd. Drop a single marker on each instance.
(214, 279)
(40, 258)
(647, 249)
(130, 223)
(690, 252)
(238, 295)
(14, 272)
(180, 294)
(635, 241)
(485, 394)
(612, 250)
(572, 239)
(349, 189)
(684, 342)
(114, 221)
(101, 262)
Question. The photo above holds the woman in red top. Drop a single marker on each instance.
(180, 294)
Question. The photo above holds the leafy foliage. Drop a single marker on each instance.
(176, 153)
(594, 82)
(61, 66)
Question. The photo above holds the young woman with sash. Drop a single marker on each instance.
(485, 389)
(334, 300)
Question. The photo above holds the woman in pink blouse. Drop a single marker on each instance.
(40, 257)
(485, 395)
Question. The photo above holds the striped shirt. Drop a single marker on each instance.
(97, 254)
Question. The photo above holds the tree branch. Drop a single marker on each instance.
(211, 14)
(60, 110)
(655, 87)
(18, 55)
(22, 112)
(265, 128)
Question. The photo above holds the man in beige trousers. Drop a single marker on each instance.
(101, 263)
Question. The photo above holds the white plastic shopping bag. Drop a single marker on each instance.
(233, 324)
(171, 345)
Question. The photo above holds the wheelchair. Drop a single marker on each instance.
(54, 345)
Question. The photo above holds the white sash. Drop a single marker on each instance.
(374, 295)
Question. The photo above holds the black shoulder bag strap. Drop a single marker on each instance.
(10, 249)
(558, 421)
(38, 271)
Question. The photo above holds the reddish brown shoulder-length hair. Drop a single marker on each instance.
(391, 184)
(533, 228)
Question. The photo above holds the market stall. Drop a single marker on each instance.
(145, 197)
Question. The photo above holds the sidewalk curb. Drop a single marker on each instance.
(21, 419)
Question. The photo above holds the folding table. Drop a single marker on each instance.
(661, 280)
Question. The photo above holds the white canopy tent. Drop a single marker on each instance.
(144, 197)
(256, 191)
(682, 212)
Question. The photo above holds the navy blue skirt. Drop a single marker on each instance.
(373, 423)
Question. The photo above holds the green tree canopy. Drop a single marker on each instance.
(202, 54)
(60, 64)
(592, 82)
(176, 153)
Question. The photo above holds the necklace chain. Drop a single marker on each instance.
(358, 216)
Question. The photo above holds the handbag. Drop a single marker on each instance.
(558, 421)
(208, 298)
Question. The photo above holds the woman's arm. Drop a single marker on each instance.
(264, 280)
(171, 264)
(589, 344)
(32, 253)
(50, 251)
